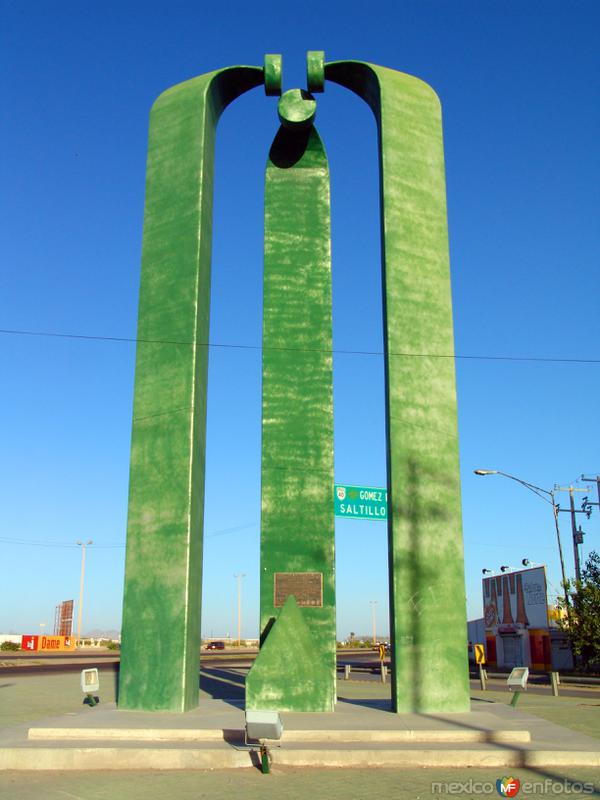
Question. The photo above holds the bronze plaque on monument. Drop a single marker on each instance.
(307, 588)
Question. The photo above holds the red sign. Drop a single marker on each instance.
(55, 643)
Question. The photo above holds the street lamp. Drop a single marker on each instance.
(548, 497)
(373, 604)
(238, 578)
(83, 546)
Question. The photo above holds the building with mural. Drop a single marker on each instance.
(519, 627)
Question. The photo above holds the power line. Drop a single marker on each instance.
(39, 544)
(34, 543)
(129, 340)
(235, 529)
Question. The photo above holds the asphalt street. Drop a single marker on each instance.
(365, 666)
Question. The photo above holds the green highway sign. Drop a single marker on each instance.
(360, 502)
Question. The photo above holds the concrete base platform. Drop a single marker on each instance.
(355, 735)
(137, 758)
(289, 737)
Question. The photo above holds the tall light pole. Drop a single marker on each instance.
(577, 534)
(83, 546)
(373, 604)
(239, 576)
(555, 509)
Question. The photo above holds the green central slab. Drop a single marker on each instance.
(297, 535)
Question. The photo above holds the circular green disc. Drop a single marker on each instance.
(297, 109)
(315, 70)
(272, 71)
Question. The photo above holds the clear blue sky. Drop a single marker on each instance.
(519, 88)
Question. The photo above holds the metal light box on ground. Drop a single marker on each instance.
(263, 725)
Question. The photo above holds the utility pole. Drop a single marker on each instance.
(555, 510)
(577, 534)
(79, 610)
(575, 538)
(373, 604)
(587, 505)
(238, 578)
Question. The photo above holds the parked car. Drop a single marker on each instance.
(215, 646)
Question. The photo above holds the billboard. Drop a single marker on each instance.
(515, 601)
(47, 643)
(63, 622)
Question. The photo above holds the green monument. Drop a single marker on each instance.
(295, 669)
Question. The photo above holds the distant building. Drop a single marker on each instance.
(519, 628)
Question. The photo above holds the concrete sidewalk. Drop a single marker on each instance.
(361, 732)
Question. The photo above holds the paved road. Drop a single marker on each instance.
(365, 666)
(86, 654)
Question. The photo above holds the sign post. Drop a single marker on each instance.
(360, 502)
(479, 650)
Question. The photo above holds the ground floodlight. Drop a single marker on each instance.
(263, 725)
(90, 683)
(517, 683)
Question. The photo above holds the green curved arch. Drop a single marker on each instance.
(426, 565)
(163, 568)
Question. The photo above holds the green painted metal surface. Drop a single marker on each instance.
(427, 590)
(273, 74)
(161, 611)
(296, 109)
(360, 502)
(315, 71)
(290, 673)
(297, 411)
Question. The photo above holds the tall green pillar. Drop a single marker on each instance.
(163, 568)
(427, 588)
(296, 667)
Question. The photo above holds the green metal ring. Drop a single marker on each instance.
(272, 70)
(296, 109)
(315, 70)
